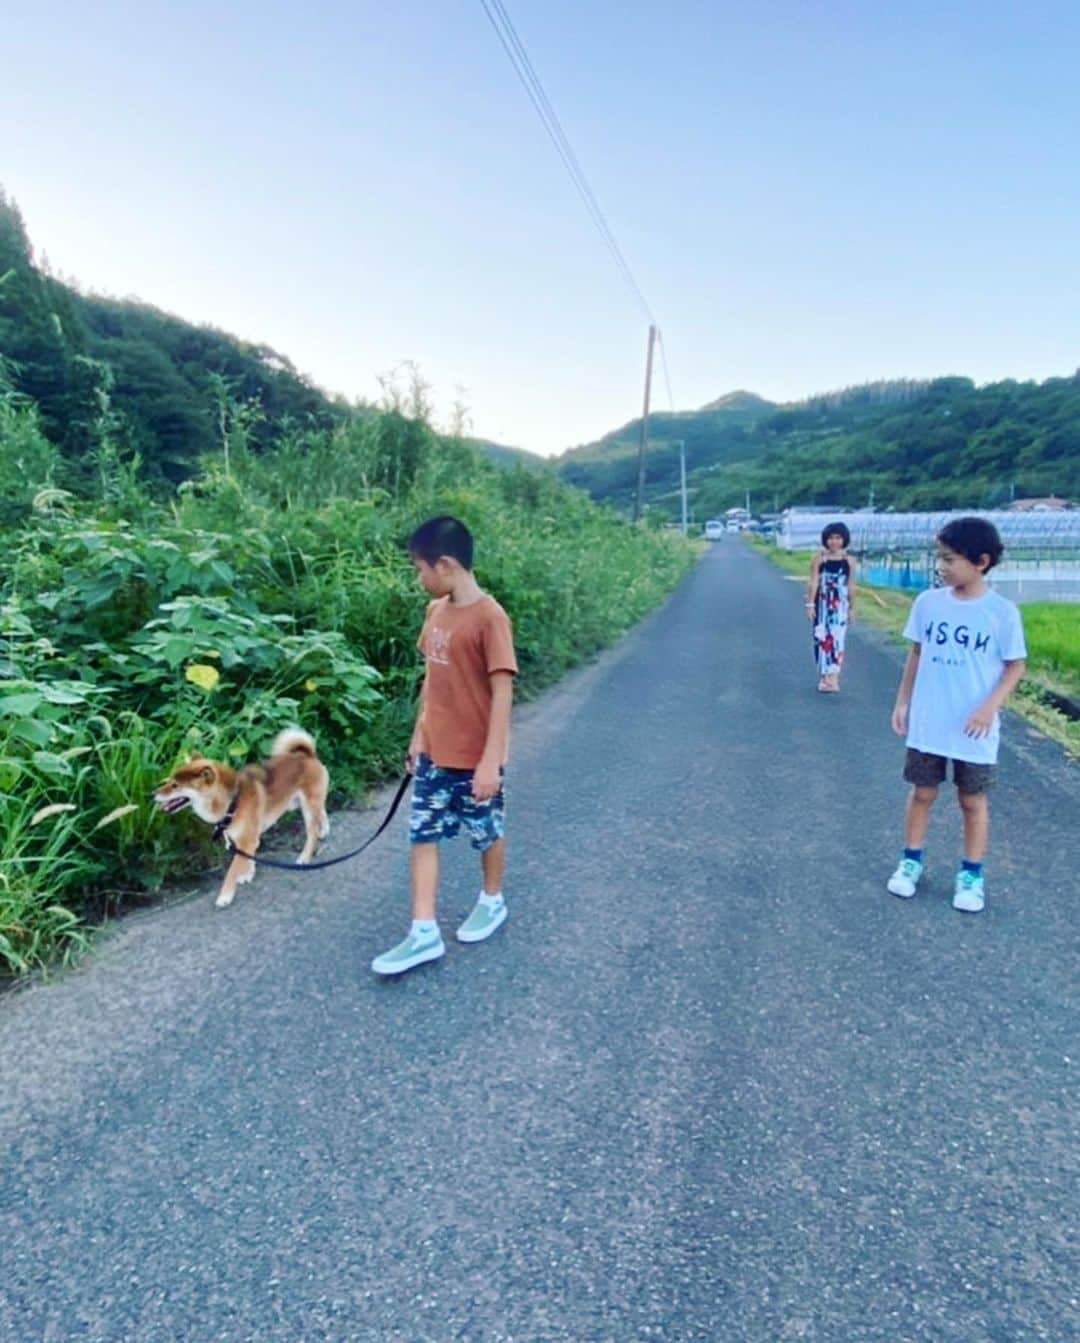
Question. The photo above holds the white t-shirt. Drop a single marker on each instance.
(964, 647)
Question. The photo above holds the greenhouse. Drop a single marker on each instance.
(1042, 548)
(1049, 534)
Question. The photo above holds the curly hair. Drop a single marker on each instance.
(973, 538)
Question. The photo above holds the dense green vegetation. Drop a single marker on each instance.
(167, 392)
(716, 435)
(161, 387)
(1053, 635)
(194, 583)
(909, 445)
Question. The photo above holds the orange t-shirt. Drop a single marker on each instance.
(463, 646)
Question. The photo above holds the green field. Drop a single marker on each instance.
(1053, 632)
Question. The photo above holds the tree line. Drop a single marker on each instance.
(942, 443)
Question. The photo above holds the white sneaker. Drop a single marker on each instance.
(415, 950)
(969, 893)
(482, 922)
(906, 877)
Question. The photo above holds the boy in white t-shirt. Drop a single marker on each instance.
(966, 659)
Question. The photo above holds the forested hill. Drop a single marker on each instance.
(163, 384)
(934, 444)
(715, 434)
(161, 378)
(168, 391)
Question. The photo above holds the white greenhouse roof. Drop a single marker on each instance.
(892, 532)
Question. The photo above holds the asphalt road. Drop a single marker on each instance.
(710, 1082)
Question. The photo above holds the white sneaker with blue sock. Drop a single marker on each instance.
(969, 893)
(906, 877)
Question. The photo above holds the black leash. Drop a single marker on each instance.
(226, 821)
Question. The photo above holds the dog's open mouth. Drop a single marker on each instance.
(171, 804)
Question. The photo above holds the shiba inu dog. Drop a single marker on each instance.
(241, 804)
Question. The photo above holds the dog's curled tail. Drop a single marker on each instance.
(294, 739)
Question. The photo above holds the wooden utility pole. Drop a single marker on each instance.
(639, 502)
(682, 481)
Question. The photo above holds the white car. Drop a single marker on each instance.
(714, 529)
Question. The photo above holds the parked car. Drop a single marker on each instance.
(714, 529)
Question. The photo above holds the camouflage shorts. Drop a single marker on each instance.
(442, 802)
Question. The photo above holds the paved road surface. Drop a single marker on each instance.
(709, 1083)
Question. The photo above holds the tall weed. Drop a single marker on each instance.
(271, 589)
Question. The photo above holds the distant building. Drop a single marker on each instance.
(1051, 505)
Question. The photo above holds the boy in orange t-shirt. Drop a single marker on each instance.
(460, 742)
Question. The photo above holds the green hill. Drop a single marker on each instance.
(166, 392)
(161, 383)
(718, 433)
(748, 405)
(509, 457)
(931, 444)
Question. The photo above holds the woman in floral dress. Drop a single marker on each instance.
(830, 604)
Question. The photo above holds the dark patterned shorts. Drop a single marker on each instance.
(442, 802)
(926, 770)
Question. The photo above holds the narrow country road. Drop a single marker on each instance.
(710, 1083)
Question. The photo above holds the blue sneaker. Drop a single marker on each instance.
(906, 877)
(482, 922)
(969, 894)
(415, 950)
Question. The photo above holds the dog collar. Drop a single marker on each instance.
(227, 819)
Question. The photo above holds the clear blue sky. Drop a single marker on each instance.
(810, 195)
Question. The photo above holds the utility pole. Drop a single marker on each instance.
(639, 502)
(682, 479)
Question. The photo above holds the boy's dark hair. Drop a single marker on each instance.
(836, 529)
(973, 538)
(442, 536)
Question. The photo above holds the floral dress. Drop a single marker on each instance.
(831, 605)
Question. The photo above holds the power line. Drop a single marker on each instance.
(523, 67)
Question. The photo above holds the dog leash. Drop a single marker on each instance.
(226, 820)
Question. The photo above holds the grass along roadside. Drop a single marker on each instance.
(142, 623)
(1053, 638)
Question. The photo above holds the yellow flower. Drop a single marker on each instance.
(202, 674)
(310, 685)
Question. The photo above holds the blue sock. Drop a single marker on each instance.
(914, 854)
(974, 868)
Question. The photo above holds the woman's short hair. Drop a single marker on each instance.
(836, 529)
